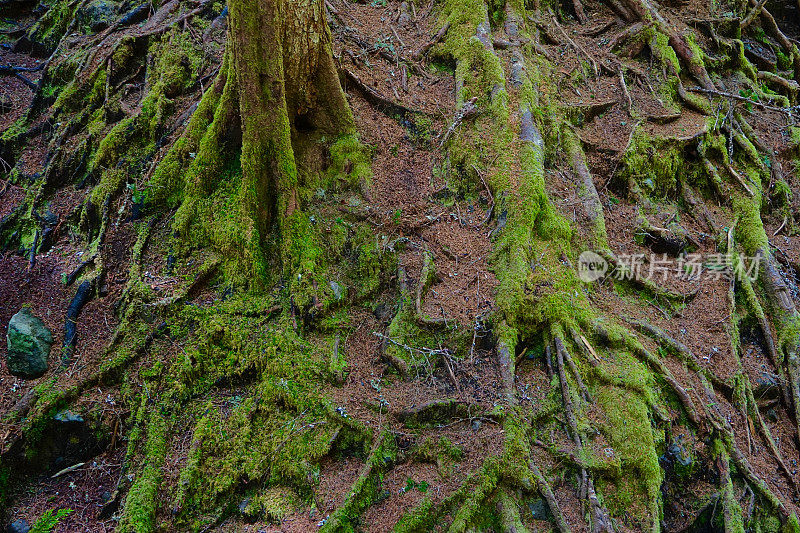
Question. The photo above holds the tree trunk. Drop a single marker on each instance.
(286, 82)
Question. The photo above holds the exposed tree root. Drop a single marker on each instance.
(547, 493)
(364, 492)
(600, 520)
(435, 39)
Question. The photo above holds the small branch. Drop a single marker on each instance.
(751, 16)
(739, 178)
(762, 425)
(10, 70)
(599, 516)
(626, 94)
(577, 47)
(565, 396)
(452, 375)
(67, 470)
(374, 96)
(783, 225)
(435, 39)
(403, 366)
(399, 40)
(467, 111)
(788, 110)
(550, 498)
(14, 73)
(483, 180)
(625, 34)
(571, 364)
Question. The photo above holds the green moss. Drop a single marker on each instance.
(485, 483)
(96, 125)
(794, 134)
(788, 333)
(659, 44)
(742, 62)
(129, 143)
(699, 57)
(536, 290)
(349, 161)
(74, 96)
(443, 453)
(141, 501)
(631, 436)
(15, 131)
(178, 62)
(733, 517)
(304, 253)
(48, 520)
(781, 194)
(419, 519)
(274, 504)
(656, 164)
(792, 525)
(749, 227)
(420, 128)
(48, 30)
(274, 437)
(784, 61)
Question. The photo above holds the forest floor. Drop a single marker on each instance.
(411, 199)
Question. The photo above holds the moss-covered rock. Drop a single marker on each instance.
(29, 343)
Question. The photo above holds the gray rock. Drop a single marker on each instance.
(29, 343)
(539, 509)
(19, 526)
(767, 386)
(68, 417)
(383, 312)
(681, 454)
(50, 218)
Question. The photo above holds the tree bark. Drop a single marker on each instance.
(287, 81)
